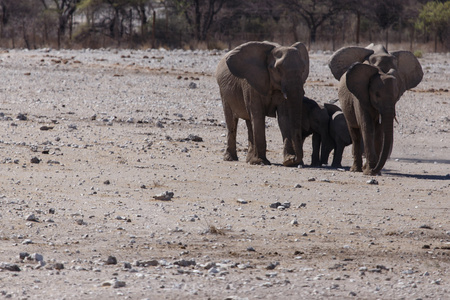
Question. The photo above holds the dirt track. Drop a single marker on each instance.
(112, 129)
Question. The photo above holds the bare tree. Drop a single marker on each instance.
(199, 14)
(313, 12)
(386, 13)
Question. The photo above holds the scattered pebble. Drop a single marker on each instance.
(9, 267)
(32, 218)
(111, 260)
(372, 181)
(35, 160)
(114, 283)
(164, 196)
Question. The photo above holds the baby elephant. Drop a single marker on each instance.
(315, 121)
(339, 133)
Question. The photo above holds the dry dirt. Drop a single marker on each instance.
(90, 137)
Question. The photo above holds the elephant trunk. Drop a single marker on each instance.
(388, 140)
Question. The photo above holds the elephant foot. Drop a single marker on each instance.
(291, 161)
(229, 157)
(337, 166)
(355, 169)
(316, 164)
(258, 161)
(370, 172)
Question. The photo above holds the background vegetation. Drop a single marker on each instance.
(322, 24)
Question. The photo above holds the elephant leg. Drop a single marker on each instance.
(327, 145)
(259, 138)
(232, 122)
(355, 134)
(369, 149)
(289, 156)
(316, 141)
(337, 156)
(251, 147)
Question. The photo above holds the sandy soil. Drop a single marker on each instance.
(89, 138)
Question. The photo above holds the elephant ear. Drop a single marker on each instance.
(249, 61)
(305, 56)
(342, 59)
(358, 81)
(409, 69)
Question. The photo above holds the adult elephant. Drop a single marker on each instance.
(371, 82)
(259, 79)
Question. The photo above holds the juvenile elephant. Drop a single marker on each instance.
(371, 82)
(339, 133)
(259, 79)
(316, 122)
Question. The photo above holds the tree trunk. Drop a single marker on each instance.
(387, 38)
(358, 26)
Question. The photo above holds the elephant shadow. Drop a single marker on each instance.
(424, 176)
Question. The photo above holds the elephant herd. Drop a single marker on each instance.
(259, 79)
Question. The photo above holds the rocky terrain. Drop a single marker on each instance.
(112, 186)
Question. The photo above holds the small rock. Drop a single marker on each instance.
(21, 117)
(114, 283)
(51, 211)
(27, 242)
(127, 265)
(294, 222)
(242, 201)
(275, 205)
(58, 266)
(111, 260)
(192, 85)
(287, 204)
(23, 255)
(425, 226)
(9, 267)
(372, 181)
(32, 218)
(251, 249)
(107, 182)
(302, 205)
(185, 263)
(165, 196)
(297, 186)
(35, 160)
(37, 257)
(311, 179)
(194, 138)
(272, 266)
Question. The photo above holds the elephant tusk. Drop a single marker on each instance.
(285, 95)
(379, 118)
(395, 118)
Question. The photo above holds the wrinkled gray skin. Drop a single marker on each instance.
(259, 79)
(316, 122)
(371, 81)
(339, 133)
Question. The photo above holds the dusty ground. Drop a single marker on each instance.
(90, 137)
